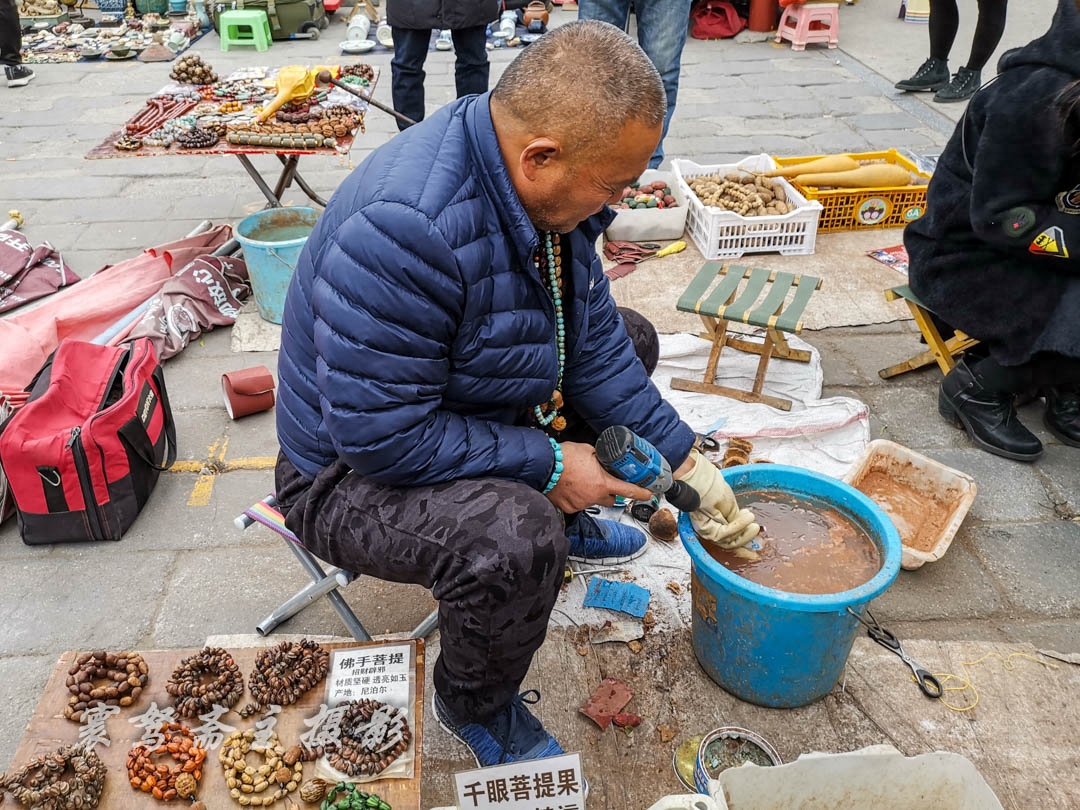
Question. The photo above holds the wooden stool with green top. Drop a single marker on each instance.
(724, 302)
(940, 350)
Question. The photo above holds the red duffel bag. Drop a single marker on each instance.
(84, 453)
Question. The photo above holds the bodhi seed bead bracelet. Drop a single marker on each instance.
(556, 473)
(127, 672)
(251, 786)
(42, 781)
(158, 779)
(283, 673)
(193, 697)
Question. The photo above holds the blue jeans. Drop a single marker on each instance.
(407, 67)
(661, 30)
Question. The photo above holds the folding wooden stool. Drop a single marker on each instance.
(723, 303)
(940, 350)
(323, 583)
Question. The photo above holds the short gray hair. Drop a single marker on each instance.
(586, 80)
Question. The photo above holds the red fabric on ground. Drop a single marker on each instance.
(87, 309)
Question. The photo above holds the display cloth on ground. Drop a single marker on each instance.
(112, 731)
(851, 295)
(825, 435)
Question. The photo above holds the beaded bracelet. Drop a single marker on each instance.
(556, 473)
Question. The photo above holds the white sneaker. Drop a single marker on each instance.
(445, 42)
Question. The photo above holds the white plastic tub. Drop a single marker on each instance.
(651, 224)
(878, 777)
(925, 500)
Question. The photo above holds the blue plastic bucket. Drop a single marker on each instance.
(272, 240)
(771, 647)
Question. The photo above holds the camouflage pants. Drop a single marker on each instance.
(492, 552)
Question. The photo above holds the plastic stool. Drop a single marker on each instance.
(244, 27)
(797, 25)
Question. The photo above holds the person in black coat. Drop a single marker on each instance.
(16, 73)
(997, 254)
(412, 22)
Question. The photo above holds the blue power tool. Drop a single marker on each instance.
(624, 454)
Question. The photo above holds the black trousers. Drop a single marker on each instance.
(10, 33)
(407, 67)
(491, 551)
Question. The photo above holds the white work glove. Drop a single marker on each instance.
(719, 519)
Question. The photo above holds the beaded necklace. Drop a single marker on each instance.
(549, 260)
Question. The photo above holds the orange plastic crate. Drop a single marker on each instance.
(856, 209)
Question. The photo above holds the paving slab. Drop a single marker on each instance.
(954, 587)
(1009, 491)
(80, 597)
(1037, 565)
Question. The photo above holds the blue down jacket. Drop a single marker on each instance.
(417, 331)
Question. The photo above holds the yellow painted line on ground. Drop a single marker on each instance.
(251, 463)
(204, 484)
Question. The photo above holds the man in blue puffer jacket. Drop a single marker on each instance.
(447, 316)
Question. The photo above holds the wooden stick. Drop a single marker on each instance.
(326, 78)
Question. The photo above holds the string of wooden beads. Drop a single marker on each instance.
(127, 672)
(356, 755)
(283, 673)
(43, 783)
(249, 785)
(159, 780)
(193, 697)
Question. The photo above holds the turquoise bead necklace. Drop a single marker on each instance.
(549, 261)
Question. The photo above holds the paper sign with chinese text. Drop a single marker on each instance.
(372, 673)
(537, 784)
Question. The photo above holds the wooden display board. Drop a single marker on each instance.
(49, 730)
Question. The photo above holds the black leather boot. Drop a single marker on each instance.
(989, 417)
(1062, 416)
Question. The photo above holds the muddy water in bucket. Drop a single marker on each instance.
(806, 547)
(781, 648)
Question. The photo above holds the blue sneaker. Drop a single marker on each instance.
(604, 542)
(513, 735)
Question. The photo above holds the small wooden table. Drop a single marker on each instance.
(289, 157)
(718, 305)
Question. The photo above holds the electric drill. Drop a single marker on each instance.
(624, 454)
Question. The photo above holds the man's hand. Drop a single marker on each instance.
(719, 518)
(584, 482)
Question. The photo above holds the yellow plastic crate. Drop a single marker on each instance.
(856, 209)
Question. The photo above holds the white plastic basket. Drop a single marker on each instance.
(721, 234)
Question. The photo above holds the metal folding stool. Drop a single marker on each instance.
(323, 582)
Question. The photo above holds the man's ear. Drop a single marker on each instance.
(538, 155)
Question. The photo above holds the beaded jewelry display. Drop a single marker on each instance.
(263, 785)
(159, 780)
(194, 694)
(283, 674)
(126, 672)
(44, 781)
(549, 263)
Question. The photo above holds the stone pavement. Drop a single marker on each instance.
(185, 572)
